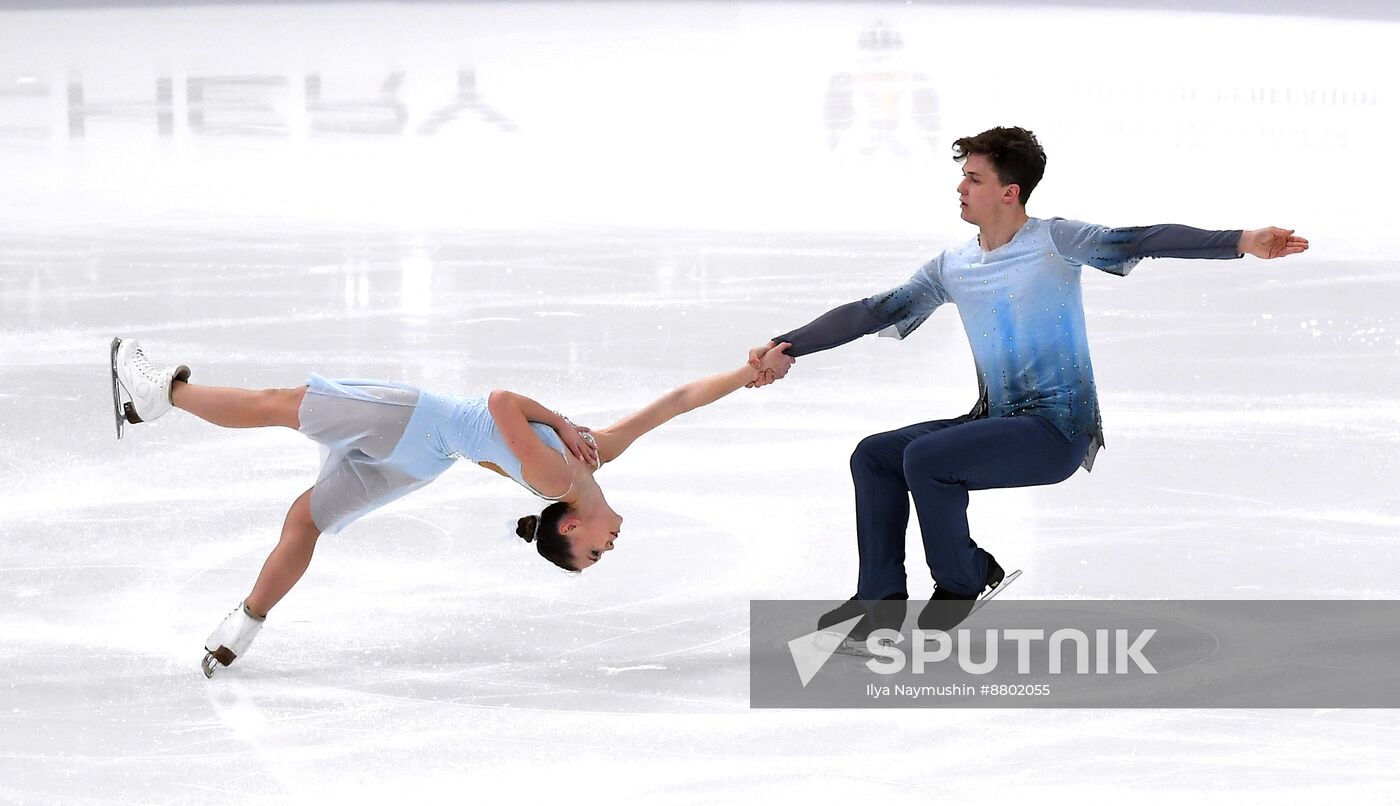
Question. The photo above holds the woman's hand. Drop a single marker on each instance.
(576, 440)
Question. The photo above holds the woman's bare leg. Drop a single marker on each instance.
(287, 562)
(247, 408)
(239, 408)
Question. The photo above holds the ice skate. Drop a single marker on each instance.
(231, 639)
(946, 610)
(887, 613)
(140, 392)
(993, 591)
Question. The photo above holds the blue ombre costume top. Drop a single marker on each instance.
(1022, 310)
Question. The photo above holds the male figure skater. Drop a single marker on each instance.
(1017, 289)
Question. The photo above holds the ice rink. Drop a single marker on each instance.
(591, 204)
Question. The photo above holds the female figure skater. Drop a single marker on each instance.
(386, 440)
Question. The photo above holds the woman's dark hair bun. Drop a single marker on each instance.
(543, 531)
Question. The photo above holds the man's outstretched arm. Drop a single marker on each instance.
(905, 306)
(837, 326)
(834, 328)
(1176, 240)
(1118, 249)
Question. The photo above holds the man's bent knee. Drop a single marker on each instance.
(878, 451)
(928, 460)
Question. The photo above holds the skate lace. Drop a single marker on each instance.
(142, 365)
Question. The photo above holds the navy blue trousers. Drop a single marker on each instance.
(937, 463)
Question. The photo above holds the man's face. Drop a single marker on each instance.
(981, 195)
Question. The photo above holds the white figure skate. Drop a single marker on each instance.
(140, 392)
(231, 639)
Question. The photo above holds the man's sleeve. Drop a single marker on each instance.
(903, 309)
(1118, 250)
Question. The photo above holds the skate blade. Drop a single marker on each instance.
(858, 649)
(854, 649)
(839, 643)
(214, 658)
(116, 390)
(1011, 577)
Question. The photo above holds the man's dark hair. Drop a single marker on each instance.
(1014, 153)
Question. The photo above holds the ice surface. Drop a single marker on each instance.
(628, 198)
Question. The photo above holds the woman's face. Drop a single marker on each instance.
(589, 539)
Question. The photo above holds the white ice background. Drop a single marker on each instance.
(629, 197)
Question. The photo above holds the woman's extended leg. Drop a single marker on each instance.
(287, 562)
(239, 408)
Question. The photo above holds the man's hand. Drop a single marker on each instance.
(755, 356)
(1271, 242)
(773, 364)
(757, 353)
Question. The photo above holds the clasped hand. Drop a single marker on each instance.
(772, 362)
